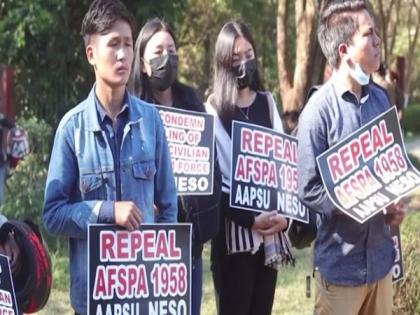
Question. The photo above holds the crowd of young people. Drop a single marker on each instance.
(99, 173)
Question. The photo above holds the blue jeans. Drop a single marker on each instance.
(197, 281)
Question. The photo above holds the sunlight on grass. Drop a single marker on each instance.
(289, 299)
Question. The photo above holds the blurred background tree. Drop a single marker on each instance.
(41, 41)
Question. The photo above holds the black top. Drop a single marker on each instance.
(257, 113)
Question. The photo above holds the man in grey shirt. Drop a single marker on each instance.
(352, 260)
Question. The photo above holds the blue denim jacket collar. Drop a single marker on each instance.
(91, 118)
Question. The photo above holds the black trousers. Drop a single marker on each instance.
(243, 284)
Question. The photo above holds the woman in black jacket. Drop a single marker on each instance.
(154, 79)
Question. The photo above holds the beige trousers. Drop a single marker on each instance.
(368, 299)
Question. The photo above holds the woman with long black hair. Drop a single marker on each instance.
(154, 79)
(250, 245)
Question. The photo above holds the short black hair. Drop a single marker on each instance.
(338, 25)
(101, 17)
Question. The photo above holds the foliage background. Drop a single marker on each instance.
(40, 40)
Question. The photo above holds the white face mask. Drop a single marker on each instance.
(358, 74)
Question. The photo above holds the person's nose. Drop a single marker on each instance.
(121, 53)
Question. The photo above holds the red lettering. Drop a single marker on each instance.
(334, 165)
(272, 179)
(258, 142)
(107, 239)
(112, 272)
(142, 288)
(246, 143)
(365, 144)
(278, 148)
(345, 159)
(135, 243)
(122, 245)
(265, 169)
(295, 152)
(377, 143)
(268, 145)
(132, 279)
(355, 152)
(161, 245)
(240, 170)
(387, 136)
(99, 288)
(249, 162)
(287, 151)
(148, 244)
(174, 252)
(122, 283)
(256, 174)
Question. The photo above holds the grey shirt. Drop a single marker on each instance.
(346, 252)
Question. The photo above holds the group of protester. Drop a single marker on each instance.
(110, 161)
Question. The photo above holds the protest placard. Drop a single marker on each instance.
(397, 268)
(8, 304)
(264, 171)
(146, 271)
(190, 137)
(369, 169)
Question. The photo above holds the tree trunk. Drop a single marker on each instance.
(294, 84)
(413, 35)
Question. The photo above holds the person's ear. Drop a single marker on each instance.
(343, 51)
(90, 54)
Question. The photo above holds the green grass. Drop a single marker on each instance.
(411, 119)
(290, 298)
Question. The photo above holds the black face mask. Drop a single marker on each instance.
(164, 71)
(245, 73)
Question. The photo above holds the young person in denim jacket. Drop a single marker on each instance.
(110, 161)
(154, 79)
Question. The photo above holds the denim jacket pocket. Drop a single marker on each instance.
(144, 170)
(90, 184)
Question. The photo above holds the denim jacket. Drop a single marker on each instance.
(81, 176)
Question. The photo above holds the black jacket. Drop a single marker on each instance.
(202, 211)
